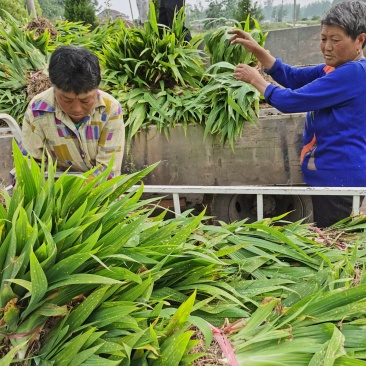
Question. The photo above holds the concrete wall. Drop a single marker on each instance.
(296, 46)
(267, 153)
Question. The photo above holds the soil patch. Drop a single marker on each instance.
(37, 83)
(40, 25)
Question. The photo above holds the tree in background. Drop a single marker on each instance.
(215, 9)
(96, 6)
(81, 10)
(247, 7)
(230, 8)
(317, 8)
(31, 8)
(108, 6)
(195, 13)
(279, 12)
(222, 9)
(297, 13)
(52, 9)
(17, 8)
(267, 9)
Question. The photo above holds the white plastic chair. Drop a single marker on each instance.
(13, 125)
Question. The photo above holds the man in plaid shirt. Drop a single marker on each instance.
(80, 126)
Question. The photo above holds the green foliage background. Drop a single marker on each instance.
(89, 277)
(17, 9)
(80, 10)
(52, 9)
(158, 77)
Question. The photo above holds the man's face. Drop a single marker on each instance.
(76, 106)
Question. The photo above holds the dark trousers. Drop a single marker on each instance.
(328, 210)
(166, 14)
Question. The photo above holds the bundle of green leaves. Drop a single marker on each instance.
(158, 77)
(89, 277)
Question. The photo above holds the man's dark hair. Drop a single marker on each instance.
(74, 69)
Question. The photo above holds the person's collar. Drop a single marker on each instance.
(99, 102)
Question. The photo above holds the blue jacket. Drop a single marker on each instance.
(334, 139)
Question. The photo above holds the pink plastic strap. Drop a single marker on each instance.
(224, 344)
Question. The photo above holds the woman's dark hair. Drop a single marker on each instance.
(74, 69)
(349, 15)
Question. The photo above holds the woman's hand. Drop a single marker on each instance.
(243, 38)
(251, 45)
(247, 73)
(252, 76)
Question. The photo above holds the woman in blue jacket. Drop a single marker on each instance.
(334, 96)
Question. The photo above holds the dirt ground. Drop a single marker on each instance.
(213, 355)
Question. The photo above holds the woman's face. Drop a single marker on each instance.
(76, 106)
(337, 47)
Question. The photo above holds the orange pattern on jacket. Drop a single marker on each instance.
(306, 148)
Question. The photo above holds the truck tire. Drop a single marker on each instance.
(230, 208)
